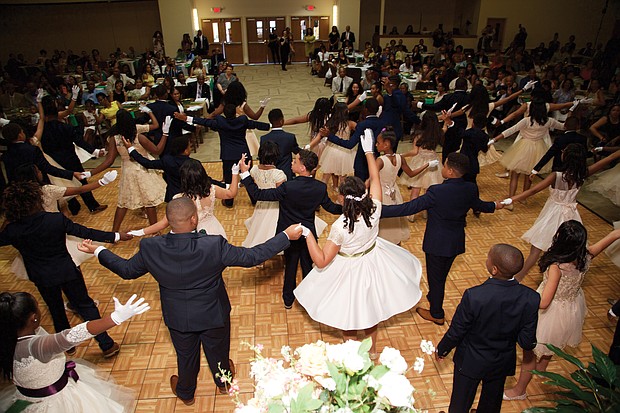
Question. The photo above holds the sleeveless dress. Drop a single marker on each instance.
(138, 187)
(561, 323)
(368, 281)
(206, 219)
(561, 206)
(338, 160)
(429, 176)
(39, 361)
(394, 229)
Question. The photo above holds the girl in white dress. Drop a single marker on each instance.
(262, 224)
(44, 381)
(561, 205)
(197, 185)
(359, 279)
(562, 302)
(337, 161)
(529, 146)
(395, 229)
(138, 186)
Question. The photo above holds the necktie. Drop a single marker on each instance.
(199, 92)
(341, 85)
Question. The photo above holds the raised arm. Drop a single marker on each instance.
(150, 146)
(600, 246)
(39, 132)
(592, 169)
(251, 114)
(231, 191)
(321, 256)
(367, 142)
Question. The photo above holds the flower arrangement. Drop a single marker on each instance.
(330, 378)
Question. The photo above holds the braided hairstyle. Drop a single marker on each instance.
(22, 199)
(15, 310)
(569, 245)
(353, 187)
(574, 168)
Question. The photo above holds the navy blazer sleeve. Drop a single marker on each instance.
(47, 168)
(408, 114)
(347, 143)
(209, 123)
(616, 308)
(414, 206)
(78, 139)
(126, 269)
(249, 257)
(81, 231)
(275, 194)
(252, 124)
(147, 163)
(461, 324)
(329, 205)
(527, 334)
(553, 150)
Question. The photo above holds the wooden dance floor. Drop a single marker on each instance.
(147, 358)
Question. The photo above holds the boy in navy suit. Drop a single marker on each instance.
(490, 320)
(287, 143)
(444, 239)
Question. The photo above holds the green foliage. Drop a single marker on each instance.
(591, 389)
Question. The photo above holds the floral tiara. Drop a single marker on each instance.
(356, 198)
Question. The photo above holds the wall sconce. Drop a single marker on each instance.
(195, 19)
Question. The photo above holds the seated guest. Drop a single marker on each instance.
(422, 46)
(225, 79)
(199, 89)
(197, 68)
(117, 75)
(118, 93)
(341, 83)
(139, 91)
(406, 67)
(90, 93)
(148, 77)
(11, 99)
(109, 108)
(217, 57)
(171, 68)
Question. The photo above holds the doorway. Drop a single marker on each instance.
(259, 29)
(299, 24)
(498, 25)
(225, 34)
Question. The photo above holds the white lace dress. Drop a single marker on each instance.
(206, 219)
(561, 206)
(39, 362)
(368, 281)
(338, 160)
(394, 229)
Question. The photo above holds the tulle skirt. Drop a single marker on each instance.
(426, 178)
(523, 155)
(490, 157)
(337, 160)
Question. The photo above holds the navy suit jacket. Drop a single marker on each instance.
(460, 97)
(232, 134)
(57, 141)
(299, 198)
(555, 151)
(474, 141)
(447, 205)
(489, 321)
(360, 164)
(41, 239)
(161, 109)
(188, 268)
(170, 165)
(18, 154)
(287, 145)
(193, 87)
(394, 107)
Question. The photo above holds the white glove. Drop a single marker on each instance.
(145, 109)
(235, 169)
(506, 201)
(362, 97)
(307, 147)
(598, 149)
(380, 111)
(166, 128)
(123, 312)
(97, 112)
(108, 177)
(491, 142)
(449, 112)
(575, 104)
(366, 141)
(433, 164)
(419, 105)
(305, 231)
(494, 121)
(75, 91)
(529, 85)
(98, 153)
(40, 94)
(534, 172)
(137, 233)
(4, 122)
(85, 175)
(264, 102)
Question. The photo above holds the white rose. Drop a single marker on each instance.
(371, 381)
(396, 389)
(336, 353)
(286, 353)
(427, 347)
(326, 382)
(247, 409)
(391, 358)
(353, 362)
(312, 359)
(419, 365)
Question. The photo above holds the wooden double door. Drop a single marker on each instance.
(299, 25)
(259, 29)
(226, 35)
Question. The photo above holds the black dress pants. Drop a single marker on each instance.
(464, 392)
(437, 269)
(297, 253)
(216, 346)
(452, 142)
(76, 292)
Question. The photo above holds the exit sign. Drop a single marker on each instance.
(310, 8)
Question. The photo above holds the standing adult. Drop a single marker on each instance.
(58, 141)
(201, 44)
(194, 300)
(349, 36)
(444, 238)
(274, 46)
(285, 48)
(334, 38)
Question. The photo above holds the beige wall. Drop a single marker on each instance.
(176, 19)
(542, 18)
(29, 28)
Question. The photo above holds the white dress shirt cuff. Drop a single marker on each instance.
(190, 120)
(419, 105)
(244, 175)
(131, 149)
(611, 313)
(117, 237)
(98, 250)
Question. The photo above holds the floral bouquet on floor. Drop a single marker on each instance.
(325, 378)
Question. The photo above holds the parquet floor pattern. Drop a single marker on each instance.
(147, 358)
